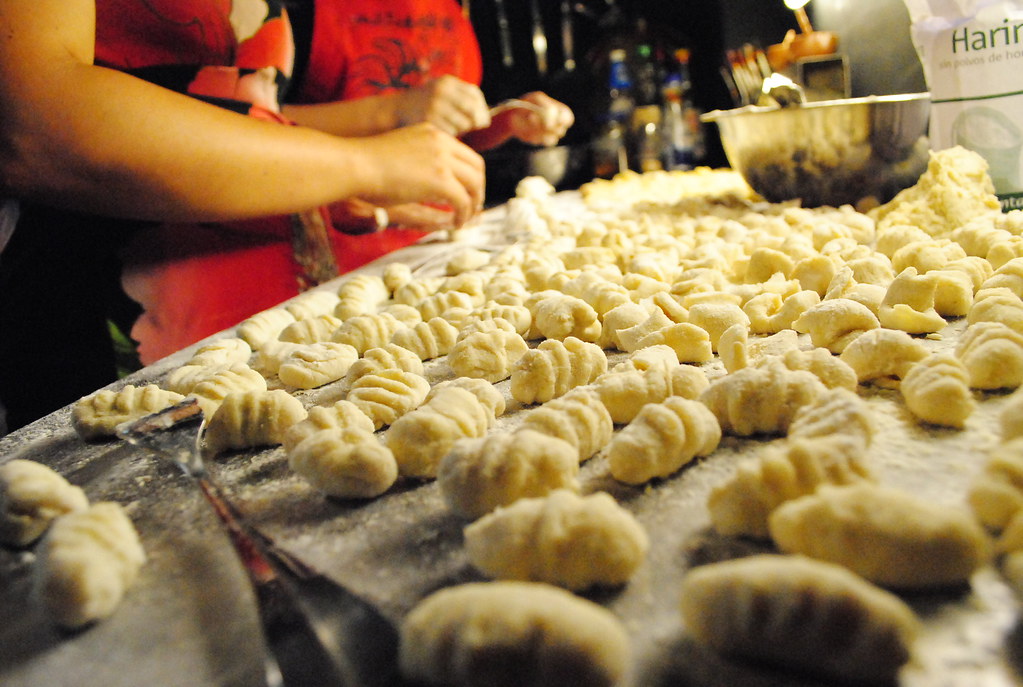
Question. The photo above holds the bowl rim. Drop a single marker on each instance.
(755, 110)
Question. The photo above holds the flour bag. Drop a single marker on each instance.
(972, 57)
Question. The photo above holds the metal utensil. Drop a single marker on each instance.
(514, 104)
(317, 632)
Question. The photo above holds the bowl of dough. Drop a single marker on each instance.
(829, 152)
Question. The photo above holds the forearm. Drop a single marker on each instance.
(359, 117)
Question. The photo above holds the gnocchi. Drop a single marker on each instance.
(555, 367)
(487, 355)
(388, 394)
(316, 364)
(937, 390)
(96, 416)
(579, 417)
(32, 495)
(252, 418)
(346, 462)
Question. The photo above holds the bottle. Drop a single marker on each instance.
(647, 139)
(679, 153)
(690, 112)
(610, 147)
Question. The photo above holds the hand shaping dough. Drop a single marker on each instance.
(478, 475)
(889, 537)
(252, 418)
(784, 610)
(576, 542)
(32, 495)
(97, 415)
(347, 463)
(87, 562)
(512, 634)
(661, 439)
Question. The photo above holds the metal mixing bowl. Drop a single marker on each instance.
(830, 152)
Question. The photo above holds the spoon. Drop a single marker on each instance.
(317, 633)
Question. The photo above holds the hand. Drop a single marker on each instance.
(544, 128)
(356, 216)
(422, 164)
(450, 104)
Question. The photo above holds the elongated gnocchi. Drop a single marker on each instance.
(32, 495)
(512, 634)
(487, 355)
(579, 417)
(833, 323)
(87, 562)
(761, 400)
(478, 475)
(98, 414)
(888, 536)
(742, 504)
(388, 394)
(347, 463)
(364, 332)
(387, 357)
(226, 351)
(252, 418)
(784, 610)
(264, 326)
(993, 355)
(316, 364)
(625, 393)
(576, 542)
(212, 390)
(554, 367)
(310, 329)
(661, 439)
(430, 339)
(342, 414)
(359, 295)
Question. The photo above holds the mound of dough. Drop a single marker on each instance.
(512, 634)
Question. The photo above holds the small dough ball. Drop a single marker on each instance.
(480, 474)
(512, 634)
(573, 541)
(87, 562)
(31, 496)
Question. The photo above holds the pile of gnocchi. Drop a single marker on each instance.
(649, 333)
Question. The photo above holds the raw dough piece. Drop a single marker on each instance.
(364, 332)
(997, 305)
(908, 304)
(211, 391)
(341, 415)
(487, 355)
(388, 357)
(252, 418)
(761, 400)
(690, 343)
(833, 372)
(87, 562)
(347, 463)
(310, 329)
(396, 275)
(661, 439)
(888, 536)
(428, 340)
(837, 411)
(437, 304)
(741, 505)
(785, 610)
(316, 364)
(389, 394)
(996, 494)
(311, 304)
(264, 326)
(478, 475)
(360, 294)
(420, 439)
(555, 367)
(576, 542)
(557, 316)
(512, 634)
(883, 356)
(625, 393)
(96, 416)
(518, 316)
(226, 351)
(993, 355)
(715, 318)
(32, 495)
(485, 392)
(833, 323)
(937, 390)
(579, 417)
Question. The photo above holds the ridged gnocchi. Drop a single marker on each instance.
(364, 332)
(833, 323)
(252, 418)
(572, 541)
(264, 326)
(515, 634)
(226, 351)
(487, 355)
(359, 295)
(97, 415)
(625, 393)
(478, 475)
(554, 367)
(886, 535)
(996, 493)
(661, 439)
(388, 394)
(342, 414)
(387, 357)
(420, 439)
(316, 364)
(883, 356)
(992, 354)
(310, 329)
(741, 505)
(837, 411)
(87, 562)
(579, 417)
(557, 316)
(783, 610)
(937, 390)
(761, 400)
(212, 390)
(346, 462)
(428, 340)
(32, 495)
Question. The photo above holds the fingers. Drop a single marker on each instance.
(457, 106)
(546, 127)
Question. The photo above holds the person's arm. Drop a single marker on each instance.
(98, 140)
